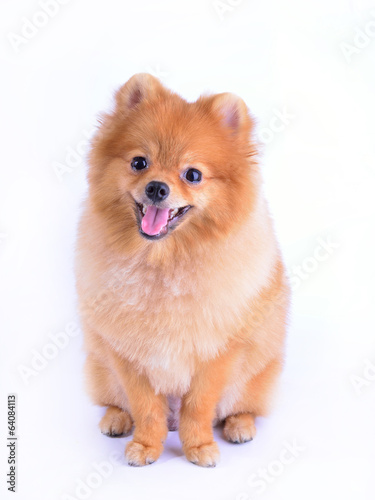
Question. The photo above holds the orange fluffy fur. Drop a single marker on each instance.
(193, 322)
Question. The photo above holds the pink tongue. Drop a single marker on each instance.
(154, 219)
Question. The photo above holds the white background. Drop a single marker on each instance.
(319, 170)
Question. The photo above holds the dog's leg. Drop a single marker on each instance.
(148, 410)
(198, 411)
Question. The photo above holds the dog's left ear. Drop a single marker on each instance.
(233, 112)
(140, 87)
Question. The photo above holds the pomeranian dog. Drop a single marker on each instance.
(182, 290)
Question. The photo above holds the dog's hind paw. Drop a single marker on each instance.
(116, 422)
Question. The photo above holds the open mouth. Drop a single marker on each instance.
(155, 222)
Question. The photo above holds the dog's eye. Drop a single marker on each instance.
(139, 163)
(193, 175)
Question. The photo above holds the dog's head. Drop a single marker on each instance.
(161, 167)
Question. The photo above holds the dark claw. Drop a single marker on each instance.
(112, 434)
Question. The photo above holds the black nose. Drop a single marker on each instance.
(157, 191)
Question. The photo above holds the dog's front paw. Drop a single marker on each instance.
(205, 455)
(138, 454)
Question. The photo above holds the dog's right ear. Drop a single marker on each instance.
(138, 88)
